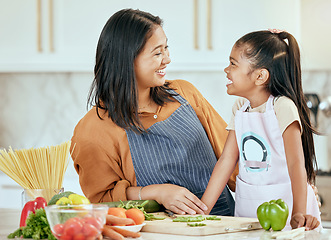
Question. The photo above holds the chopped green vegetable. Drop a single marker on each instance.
(196, 224)
(213, 218)
(189, 219)
(150, 206)
(151, 217)
(37, 227)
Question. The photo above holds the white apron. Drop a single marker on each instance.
(263, 173)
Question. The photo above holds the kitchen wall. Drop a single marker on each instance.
(41, 109)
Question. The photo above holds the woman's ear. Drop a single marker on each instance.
(262, 76)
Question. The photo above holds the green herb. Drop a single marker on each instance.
(196, 224)
(37, 227)
(17, 233)
(189, 219)
(213, 218)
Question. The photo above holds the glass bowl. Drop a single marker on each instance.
(79, 221)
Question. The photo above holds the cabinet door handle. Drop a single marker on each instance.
(209, 25)
(51, 24)
(39, 26)
(196, 24)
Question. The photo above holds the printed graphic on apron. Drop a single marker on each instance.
(255, 152)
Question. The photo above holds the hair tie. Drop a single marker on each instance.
(274, 30)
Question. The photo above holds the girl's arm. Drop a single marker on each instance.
(222, 172)
(296, 168)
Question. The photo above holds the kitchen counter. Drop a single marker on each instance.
(9, 221)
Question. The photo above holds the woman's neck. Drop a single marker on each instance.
(145, 101)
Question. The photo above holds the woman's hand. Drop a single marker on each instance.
(308, 221)
(175, 198)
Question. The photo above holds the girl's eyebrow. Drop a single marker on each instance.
(231, 58)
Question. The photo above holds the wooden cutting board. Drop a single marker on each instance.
(225, 225)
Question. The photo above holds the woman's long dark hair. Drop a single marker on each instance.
(279, 53)
(114, 86)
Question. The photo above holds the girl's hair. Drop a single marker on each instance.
(279, 53)
(114, 87)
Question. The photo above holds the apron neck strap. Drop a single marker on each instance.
(245, 106)
(177, 96)
(270, 103)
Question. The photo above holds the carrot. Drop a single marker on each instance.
(125, 232)
(113, 220)
(108, 232)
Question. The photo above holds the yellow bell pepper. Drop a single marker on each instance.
(64, 201)
(78, 199)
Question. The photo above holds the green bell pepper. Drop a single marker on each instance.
(273, 214)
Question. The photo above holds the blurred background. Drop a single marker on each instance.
(47, 53)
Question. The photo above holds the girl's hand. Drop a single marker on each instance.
(179, 200)
(300, 220)
(316, 195)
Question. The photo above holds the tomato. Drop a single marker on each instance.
(72, 227)
(79, 236)
(136, 215)
(90, 231)
(118, 212)
(58, 229)
(94, 221)
(66, 237)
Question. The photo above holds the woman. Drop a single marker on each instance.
(146, 138)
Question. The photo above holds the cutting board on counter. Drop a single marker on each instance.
(225, 225)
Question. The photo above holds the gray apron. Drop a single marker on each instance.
(177, 151)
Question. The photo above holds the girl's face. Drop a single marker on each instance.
(241, 78)
(151, 62)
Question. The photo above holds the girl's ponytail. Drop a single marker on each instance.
(294, 74)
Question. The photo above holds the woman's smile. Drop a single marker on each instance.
(161, 72)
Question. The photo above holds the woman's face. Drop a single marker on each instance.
(151, 62)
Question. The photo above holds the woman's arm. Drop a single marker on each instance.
(175, 198)
(296, 168)
(222, 172)
(101, 175)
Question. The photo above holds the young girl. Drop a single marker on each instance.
(270, 134)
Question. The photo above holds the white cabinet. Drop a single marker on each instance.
(18, 33)
(233, 19)
(316, 34)
(201, 33)
(49, 35)
(64, 37)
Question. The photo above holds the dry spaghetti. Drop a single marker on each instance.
(36, 168)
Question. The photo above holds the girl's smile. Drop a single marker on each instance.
(229, 82)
